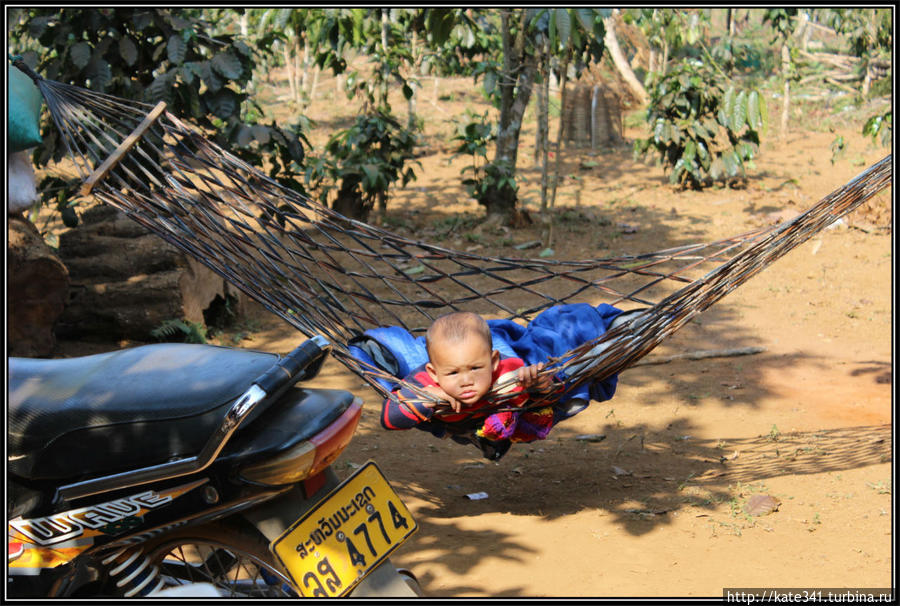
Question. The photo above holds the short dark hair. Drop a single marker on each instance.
(456, 326)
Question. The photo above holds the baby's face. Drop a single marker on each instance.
(463, 368)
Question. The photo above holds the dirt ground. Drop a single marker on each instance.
(656, 507)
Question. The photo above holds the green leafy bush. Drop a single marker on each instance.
(159, 54)
(474, 134)
(882, 124)
(702, 131)
(362, 162)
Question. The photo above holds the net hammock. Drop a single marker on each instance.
(326, 274)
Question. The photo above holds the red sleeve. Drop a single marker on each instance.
(509, 365)
(404, 409)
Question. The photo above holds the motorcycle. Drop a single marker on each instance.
(135, 472)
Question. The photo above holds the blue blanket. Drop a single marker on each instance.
(552, 333)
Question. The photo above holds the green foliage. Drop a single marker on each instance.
(474, 134)
(700, 130)
(461, 40)
(362, 162)
(737, 55)
(670, 29)
(182, 331)
(782, 21)
(880, 124)
(497, 180)
(512, 50)
(578, 29)
(380, 34)
(870, 31)
(153, 54)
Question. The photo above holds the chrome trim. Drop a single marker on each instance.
(323, 343)
(173, 469)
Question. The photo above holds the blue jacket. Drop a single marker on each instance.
(552, 333)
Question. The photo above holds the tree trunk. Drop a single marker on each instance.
(542, 111)
(298, 99)
(37, 286)
(621, 63)
(564, 72)
(502, 200)
(304, 78)
(542, 144)
(804, 30)
(507, 83)
(315, 83)
(867, 80)
(413, 84)
(786, 102)
(516, 82)
(385, 69)
(289, 65)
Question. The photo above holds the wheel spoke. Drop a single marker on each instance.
(233, 572)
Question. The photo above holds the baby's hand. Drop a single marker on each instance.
(529, 377)
(454, 404)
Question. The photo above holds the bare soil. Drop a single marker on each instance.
(657, 506)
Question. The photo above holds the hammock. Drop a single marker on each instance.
(324, 273)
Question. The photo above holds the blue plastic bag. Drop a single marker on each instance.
(24, 112)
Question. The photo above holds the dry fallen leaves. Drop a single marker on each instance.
(761, 504)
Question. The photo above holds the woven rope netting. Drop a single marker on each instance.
(326, 274)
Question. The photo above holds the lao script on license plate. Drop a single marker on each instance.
(331, 548)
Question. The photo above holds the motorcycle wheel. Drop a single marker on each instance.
(232, 556)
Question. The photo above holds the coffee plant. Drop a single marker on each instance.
(159, 54)
(702, 130)
(362, 162)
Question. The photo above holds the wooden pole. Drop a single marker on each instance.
(114, 158)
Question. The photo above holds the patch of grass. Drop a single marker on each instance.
(244, 330)
(882, 487)
(733, 528)
(684, 484)
(394, 222)
(180, 330)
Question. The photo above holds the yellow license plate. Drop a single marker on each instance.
(331, 548)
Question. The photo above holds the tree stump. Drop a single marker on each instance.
(37, 285)
(126, 282)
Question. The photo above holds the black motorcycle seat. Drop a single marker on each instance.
(92, 412)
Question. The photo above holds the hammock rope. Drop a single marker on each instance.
(324, 273)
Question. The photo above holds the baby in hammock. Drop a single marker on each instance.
(464, 370)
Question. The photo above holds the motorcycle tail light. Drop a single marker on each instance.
(332, 441)
(309, 457)
(289, 467)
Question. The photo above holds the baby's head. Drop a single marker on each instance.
(461, 359)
